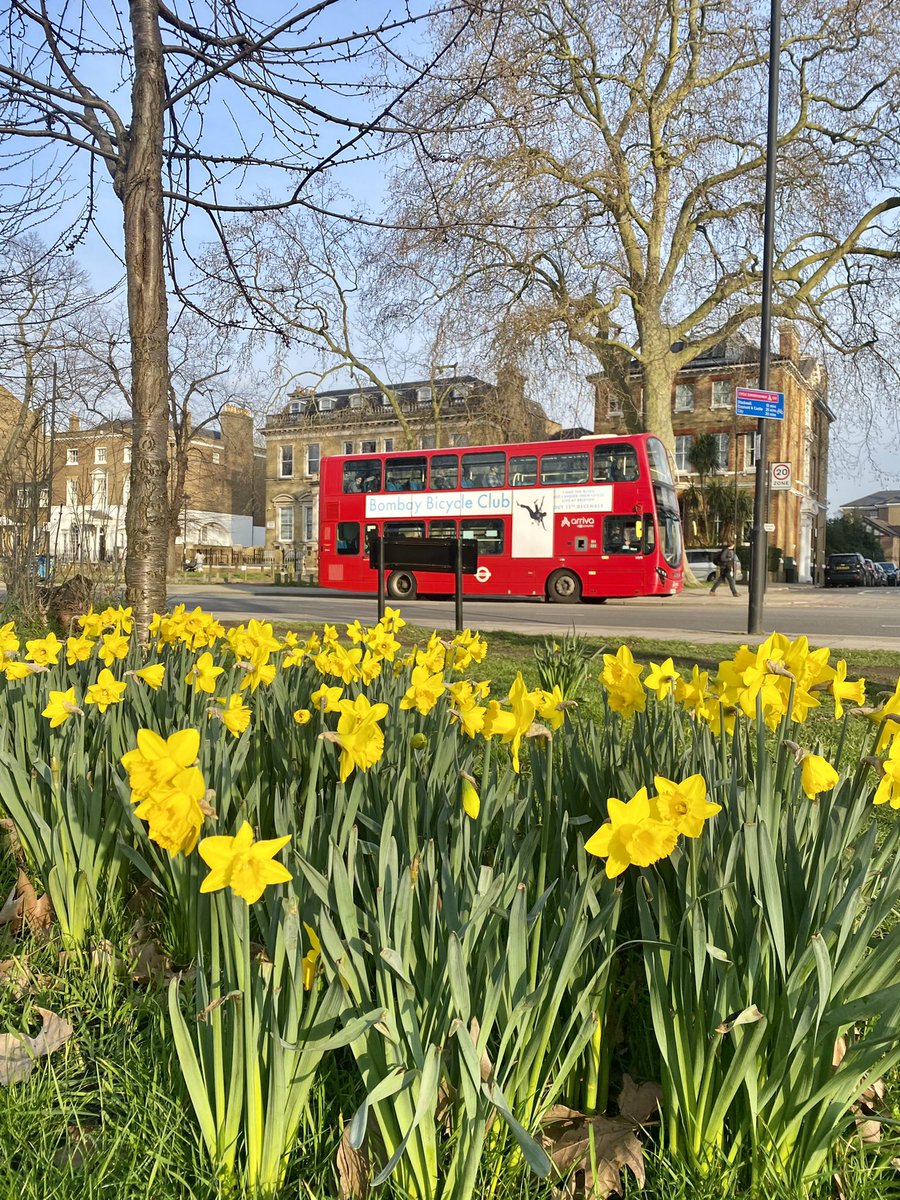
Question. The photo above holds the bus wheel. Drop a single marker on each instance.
(563, 587)
(401, 585)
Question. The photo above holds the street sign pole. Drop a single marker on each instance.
(760, 505)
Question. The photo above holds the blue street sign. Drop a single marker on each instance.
(751, 402)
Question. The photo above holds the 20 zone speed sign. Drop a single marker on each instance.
(781, 476)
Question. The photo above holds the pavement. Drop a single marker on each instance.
(852, 618)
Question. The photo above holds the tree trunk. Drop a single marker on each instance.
(658, 379)
(147, 519)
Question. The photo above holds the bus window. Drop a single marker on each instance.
(404, 529)
(484, 470)
(660, 471)
(649, 534)
(348, 537)
(442, 529)
(444, 472)
(670, 531)
(488, 534)
(564, 468)
(362, 476)
(404, 475)
(615, 464)
(622, 535)
(523, 470)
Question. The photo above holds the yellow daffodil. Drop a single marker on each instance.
(152, 675)
(356, 632)
(92, 624)
(511, 726)
(627, 696)
(817, 775)
(471, 801)
(259, 670)
(329, 636)
(44, 651)
(204, 673)
(113, 647)
(9, 643)
(424, 690)
(683, 805)
(247, 867)
(106, 691)
(60, 707)
(888, 790)
(302, 716)
(844, 689)
(233, 713)
(661, 678)
(359, 734)
(380, 641)
(157, 760)
(310, 959)
(551, 706)
(631, 836)
(392, 619)
(174, 812)
(326, 699)
(465, 707)
(14, 670)
(693, 693)
(78, 649)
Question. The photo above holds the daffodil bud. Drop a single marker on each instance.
(471, 801)
(418, 741)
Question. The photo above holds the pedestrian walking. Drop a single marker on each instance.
(725, 562)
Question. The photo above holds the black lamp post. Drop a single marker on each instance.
(759, 562)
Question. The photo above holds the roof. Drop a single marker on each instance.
(882, 527)
(875, 500)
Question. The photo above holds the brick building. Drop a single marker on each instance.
(703, 402)
(461, 410)
(24, 469)
(224, 494)
(880, 511)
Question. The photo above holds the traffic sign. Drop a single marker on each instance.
(781, 476)
(751, 402)
(769, 527)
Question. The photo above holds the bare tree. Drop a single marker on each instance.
(217, 104)
(607, 184)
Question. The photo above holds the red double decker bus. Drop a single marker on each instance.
(586, 518)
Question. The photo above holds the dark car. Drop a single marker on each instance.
(891, 574)
(846, 570)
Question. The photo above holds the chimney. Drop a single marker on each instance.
(74, 423)
(788, 343)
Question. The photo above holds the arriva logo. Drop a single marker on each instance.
(577, 522)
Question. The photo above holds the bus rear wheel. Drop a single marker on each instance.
(564, 587)
(401, 585)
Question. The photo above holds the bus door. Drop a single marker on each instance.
(627, 558)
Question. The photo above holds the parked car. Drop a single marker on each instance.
(703, 563)
(871, 578)
(880, 577)
(891, 573)
(846, 570)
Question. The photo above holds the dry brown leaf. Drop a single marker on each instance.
(24, 907)
(352, 1168)
(639, 1102)
(591, 1152)
(18, 1053)
(11, 911)
(149, 964)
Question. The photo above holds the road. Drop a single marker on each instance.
(863, 618)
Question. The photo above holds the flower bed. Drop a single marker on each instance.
(490, 910)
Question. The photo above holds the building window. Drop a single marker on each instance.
(216, 456)
(721, 393)
(286, 523)
(71, 493)
(348, 448)
(722, 449)
(683, 445)
(126, 454)
(749, 451)
(312, 458)
(100, 454)
(684, 397)
(388, 445)
(459, 439)
(285, 462)
(368, 447)
(423, 395)
(72, 457)
(307, 523)
(616, 408)
(428, 441)
(98, 489)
